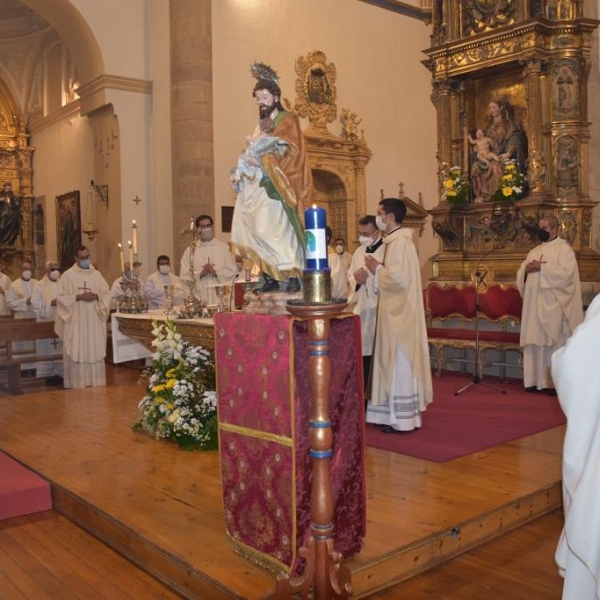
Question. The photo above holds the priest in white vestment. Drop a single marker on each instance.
(43, 301)
(19, 301)
(576, 373)
(83, 306)
(548, 280)
(339, 263)
(213, 262)
(363, 297)
(154, 288)
(401, 386)
(5, 282)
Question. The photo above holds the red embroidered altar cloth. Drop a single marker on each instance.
(264, 411)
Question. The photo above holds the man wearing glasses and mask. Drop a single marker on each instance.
(213, 262)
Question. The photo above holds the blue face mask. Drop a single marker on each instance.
(84, 263)
(128, 274)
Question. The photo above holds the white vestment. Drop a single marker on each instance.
(552, 308)
(365, 298)
(82, 327)
(4, 286)
(217, 253)
(401, 379)
(44, 293)
(339, 265)
(19, 292)
(154, 290)
(576, 373)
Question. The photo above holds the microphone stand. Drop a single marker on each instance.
(478, 376)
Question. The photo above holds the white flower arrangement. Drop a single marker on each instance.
(181, 399)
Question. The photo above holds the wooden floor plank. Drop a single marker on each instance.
(47, 557)
(82, 441)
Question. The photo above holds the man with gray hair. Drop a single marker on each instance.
(548, 280)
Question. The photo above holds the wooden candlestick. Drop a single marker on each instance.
(324, 571)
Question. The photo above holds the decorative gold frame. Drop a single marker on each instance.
(68, 228)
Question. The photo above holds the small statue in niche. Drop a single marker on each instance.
(565, 82)
(11, 216)
(567, 164)
(318, 87)
(536, 171)
(350, 124)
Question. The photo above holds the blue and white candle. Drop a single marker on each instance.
(315, 221)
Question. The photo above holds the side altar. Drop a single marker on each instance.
(510, 88)
(264, 407)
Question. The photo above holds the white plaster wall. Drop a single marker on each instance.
(72, 141)
(377, 55)
(120, 29)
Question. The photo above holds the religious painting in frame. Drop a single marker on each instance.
(68, 228)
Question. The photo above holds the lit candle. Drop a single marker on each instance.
(130, 252)
(134, 237)
(192, 224)
(122, 260)
(315, 221)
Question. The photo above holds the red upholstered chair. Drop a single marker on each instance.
(450, 313)
(501, 304)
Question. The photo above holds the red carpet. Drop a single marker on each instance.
(22, 492)
(479, 418)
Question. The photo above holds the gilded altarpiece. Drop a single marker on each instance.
(16, 227)
(510, 82)
(337, 162)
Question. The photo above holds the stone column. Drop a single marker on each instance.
(191, 115)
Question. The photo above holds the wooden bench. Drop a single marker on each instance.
(21, 330)
(451, 315)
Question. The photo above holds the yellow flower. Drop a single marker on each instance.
(451, 193)
(158, 400)
(449, 184)
(511, 167)
(173, 417)
(507, 191)
(169, 405)
(158, 388)
(507, 177)
(171, 384)
(170, 373)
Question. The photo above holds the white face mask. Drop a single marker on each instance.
(339, 249)
(54, 275)
(206, 234)
(164, 269)
(380, 223)
(26, 275)
(365, 240)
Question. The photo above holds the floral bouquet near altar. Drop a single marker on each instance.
(456, 187)
(511, 186)
(181, 399)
